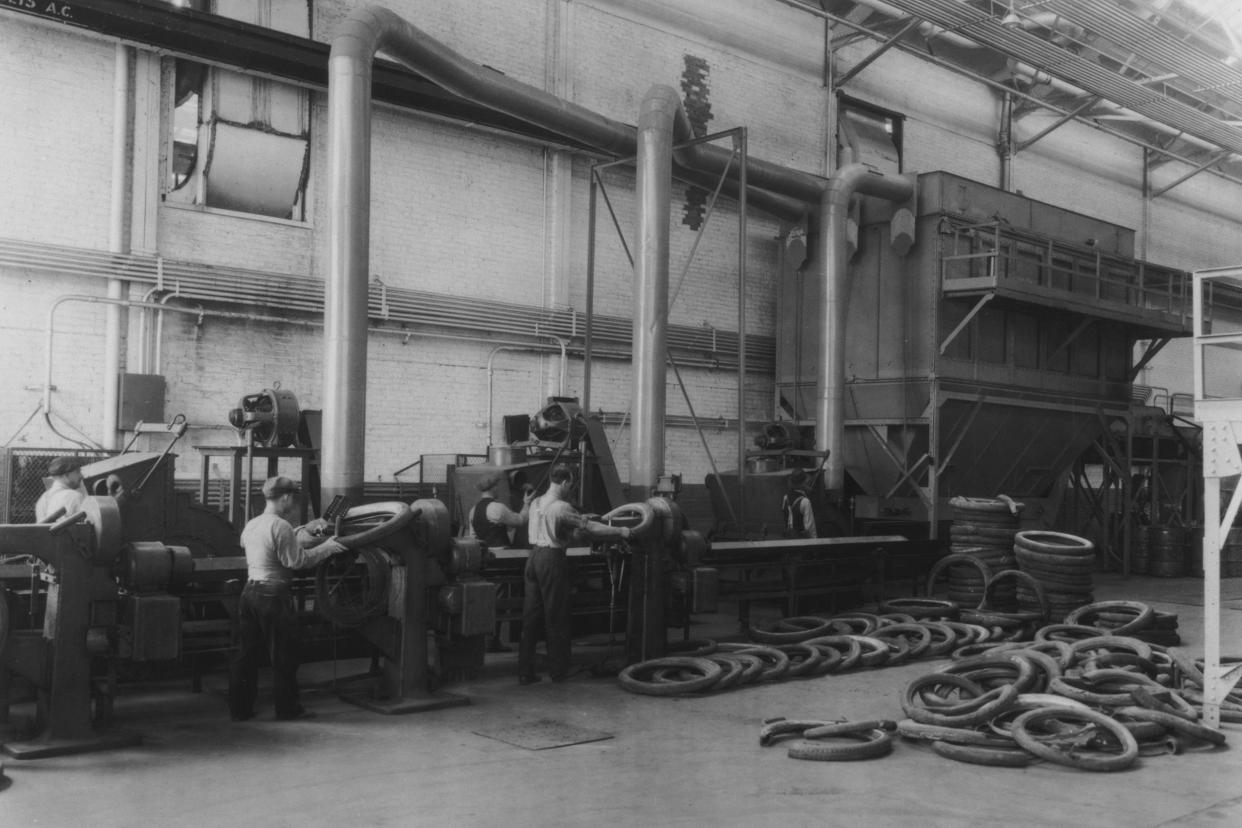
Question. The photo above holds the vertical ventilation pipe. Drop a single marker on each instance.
(342, 456)
(834, 305)
(114, 324)
(650, 337)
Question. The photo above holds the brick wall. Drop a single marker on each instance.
(55, 134)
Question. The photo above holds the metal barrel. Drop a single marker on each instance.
(1168, 552)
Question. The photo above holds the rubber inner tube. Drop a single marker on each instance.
(368, 537)
(1070, 751)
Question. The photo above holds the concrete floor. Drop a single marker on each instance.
(670, 762)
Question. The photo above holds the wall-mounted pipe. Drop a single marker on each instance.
(491, 374)
(160, 306)
(373, 29)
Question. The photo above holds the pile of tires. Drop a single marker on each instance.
(1074, 697)
(983, 528)
(1062, 565)
(805, 647)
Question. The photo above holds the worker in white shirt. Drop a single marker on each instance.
(66, 490)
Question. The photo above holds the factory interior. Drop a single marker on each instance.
(642, 412)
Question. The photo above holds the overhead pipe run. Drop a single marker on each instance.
(1029, 74)
(370, 30)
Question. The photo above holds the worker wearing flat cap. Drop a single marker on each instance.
(66, 490)
(267, 614)
(490, 520)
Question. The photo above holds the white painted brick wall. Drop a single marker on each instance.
(55, 134)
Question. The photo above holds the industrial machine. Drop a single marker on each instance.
(782, 447)
(982, 355)
(104, 599)
(637, 588)
(144, 577)
(414, 593)
(272, 417)
(987, 348)
(559, 432)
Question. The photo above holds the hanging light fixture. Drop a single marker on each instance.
(1011, 20)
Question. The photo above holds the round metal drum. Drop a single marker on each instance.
(145, 566)
(104, 516)
(182, 566)
(1168, 552)
(467, 556)
(506, 455)
(434, 515)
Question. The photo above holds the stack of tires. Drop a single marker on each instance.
(983, 528)
(1062, 564)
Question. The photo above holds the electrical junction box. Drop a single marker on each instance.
(141, 399)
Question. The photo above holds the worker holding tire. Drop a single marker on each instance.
(554, 522)
(267, 613)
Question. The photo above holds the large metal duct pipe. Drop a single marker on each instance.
(654, 182)
(834, 303)
(364, 33)
(342, 455)
(115, 319)
(372, 29)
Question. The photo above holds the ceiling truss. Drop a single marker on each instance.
(1165, 75)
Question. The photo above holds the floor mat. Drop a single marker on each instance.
(543, 734)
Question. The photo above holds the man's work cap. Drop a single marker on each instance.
(64, 465)
(274, 487)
